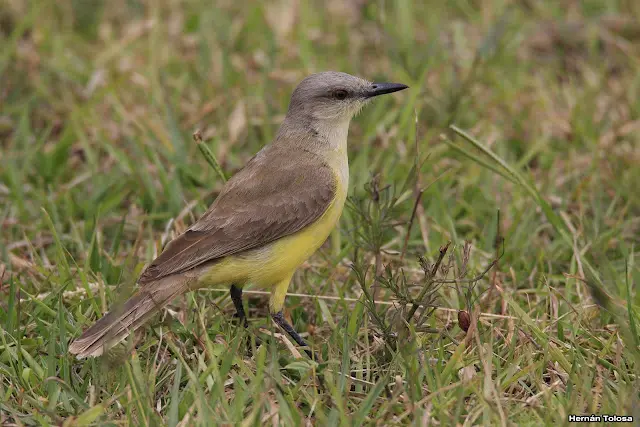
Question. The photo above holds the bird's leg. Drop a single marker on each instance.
(281, 321)
(236, 297)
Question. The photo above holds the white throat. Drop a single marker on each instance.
(333, 133)
(332, 138)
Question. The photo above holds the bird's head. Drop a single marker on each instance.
(334, 96)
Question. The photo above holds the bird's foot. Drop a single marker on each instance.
(282, 322)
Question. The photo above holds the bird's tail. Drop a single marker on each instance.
(116, 325)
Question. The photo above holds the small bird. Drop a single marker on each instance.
(268, 219)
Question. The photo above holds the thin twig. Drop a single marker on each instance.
(434, 270)
(497, 242)
(413, 216)
(473, 279)
(93, 285)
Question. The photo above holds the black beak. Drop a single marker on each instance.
(382, 88)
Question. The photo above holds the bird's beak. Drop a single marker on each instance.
(381, 88)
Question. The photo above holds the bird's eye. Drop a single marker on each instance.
(340, 94)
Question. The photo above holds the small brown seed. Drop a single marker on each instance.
(464, 320)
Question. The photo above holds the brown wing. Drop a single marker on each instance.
(275, 195)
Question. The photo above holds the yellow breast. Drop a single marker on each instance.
(276, 262)
(285, 255)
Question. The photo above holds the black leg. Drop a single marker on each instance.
(280, 320)
(236, 297)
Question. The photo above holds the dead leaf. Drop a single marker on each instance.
(237, 121)
(467, 373)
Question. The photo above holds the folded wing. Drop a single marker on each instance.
(274, 196)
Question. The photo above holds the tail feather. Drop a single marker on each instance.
(116, 325)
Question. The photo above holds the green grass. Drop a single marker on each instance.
(523, 119)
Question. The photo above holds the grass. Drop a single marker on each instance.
(522, 122)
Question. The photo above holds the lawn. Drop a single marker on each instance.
(485, 268)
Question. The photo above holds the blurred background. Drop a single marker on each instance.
(99, 101)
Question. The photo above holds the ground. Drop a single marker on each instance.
(517, 145)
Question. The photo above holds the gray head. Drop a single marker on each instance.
(335, 96)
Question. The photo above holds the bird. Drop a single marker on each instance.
(268, 219)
